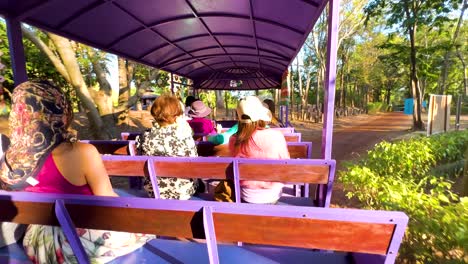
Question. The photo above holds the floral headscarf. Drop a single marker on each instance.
(39, 120)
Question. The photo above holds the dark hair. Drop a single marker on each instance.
(166, 109)
(189, 100)
(271, 105)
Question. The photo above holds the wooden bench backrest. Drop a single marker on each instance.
(347, 230)
(297, 150)
(126, 165)
(107, 213)
(292, 137)
(342, 231)
(297, 171)
(114, 147)
(282, 129)
(207, 168)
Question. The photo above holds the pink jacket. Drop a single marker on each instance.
(201, 125)
(264, 144)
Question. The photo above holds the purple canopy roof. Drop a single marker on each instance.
(222, 44)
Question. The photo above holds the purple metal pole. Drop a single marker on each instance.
(153, 178)
(210, 235)
(172, 83)
(15, 40)
(70, 232)
(235, 166)
(330, 78)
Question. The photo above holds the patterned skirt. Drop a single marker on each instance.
(48, 244)
(172, 188)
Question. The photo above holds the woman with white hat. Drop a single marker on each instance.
(255, 140)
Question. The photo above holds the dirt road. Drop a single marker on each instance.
(354, 135)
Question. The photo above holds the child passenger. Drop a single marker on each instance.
(254, 140)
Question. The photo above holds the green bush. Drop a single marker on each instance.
(400, 176)
(375, 107)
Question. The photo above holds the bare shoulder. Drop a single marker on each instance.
(85, 148)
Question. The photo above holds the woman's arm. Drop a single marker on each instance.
(95, 172)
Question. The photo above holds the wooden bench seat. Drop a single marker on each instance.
(282, 129)
(319, 172)
(355, 236)
(297, 150)
(114, 147)
(132, 135)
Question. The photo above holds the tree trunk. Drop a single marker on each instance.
(415, 88)
(103, 98)
(219, 100)
(465, 79)
(448, 54)
(67, 54)
(320, 75)
(291, 96)
(47, 51)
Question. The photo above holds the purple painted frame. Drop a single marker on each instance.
(333, 214)
(322, 199)
(294, 134)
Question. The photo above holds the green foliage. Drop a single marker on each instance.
(209, 98)
(375, 107)
(400, 176)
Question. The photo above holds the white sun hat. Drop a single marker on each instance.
(252, 107)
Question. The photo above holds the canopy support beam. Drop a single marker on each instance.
(15, 41)
(330, 78)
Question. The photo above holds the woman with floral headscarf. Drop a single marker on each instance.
(44, 157)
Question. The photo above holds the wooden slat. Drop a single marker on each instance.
(292, 138)
(284, 172)
(186, 224)
(207, 170)
(111, 147)
(125, 167)
(305, 233)
(298, 151)
(206, 150)
(27, 213)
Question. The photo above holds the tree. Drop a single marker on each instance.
(63, 57)
(84, 68)
(409, 15)
(454, 44)
(351, 22)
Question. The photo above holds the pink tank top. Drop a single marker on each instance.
(52, 181)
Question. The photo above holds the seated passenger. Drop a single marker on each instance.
(170, 136)
(188, 102)
(271, 106)
(199, 123)
(44, 157)
(223, 138)
(254, 140)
